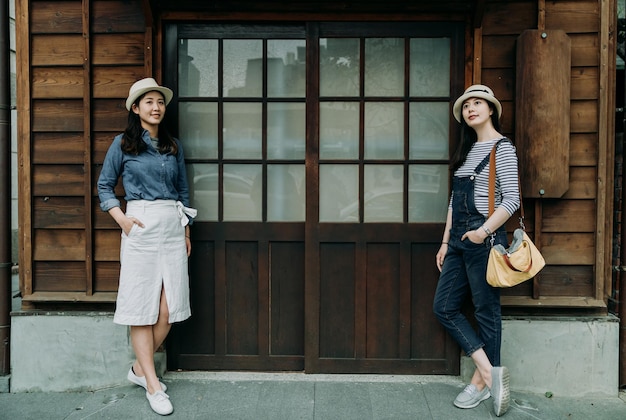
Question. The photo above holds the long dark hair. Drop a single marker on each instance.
(132, 141)
(469, 137)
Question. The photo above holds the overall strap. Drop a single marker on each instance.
(492, 182)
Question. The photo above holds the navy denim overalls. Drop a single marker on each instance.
(464, 271)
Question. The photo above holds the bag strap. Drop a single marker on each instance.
(492, 186)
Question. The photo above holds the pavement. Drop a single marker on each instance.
(290, 396)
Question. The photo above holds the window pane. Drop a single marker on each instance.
(383, 193)
(339, 67)
(197, 67)
(243, 188)
(430, 67)
(429, 130)
(339, 193)
(243, 67)
(242, 130)
(285, 130)
(428, 193)
(198, 129)
(384, 67)
(339, 130)
(286, 71)
(285, 193)
(203, 190)
(384, 130)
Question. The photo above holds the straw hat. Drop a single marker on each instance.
(144, 86)
(475, 91)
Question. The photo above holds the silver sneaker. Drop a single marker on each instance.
(500, 389)
(470, 397)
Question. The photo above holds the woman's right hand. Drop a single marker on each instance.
(126, 223)
(441, 255)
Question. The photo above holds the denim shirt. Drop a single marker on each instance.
(149, 175)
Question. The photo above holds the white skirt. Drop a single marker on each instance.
(152, 257)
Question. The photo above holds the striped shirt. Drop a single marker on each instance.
(507, 187)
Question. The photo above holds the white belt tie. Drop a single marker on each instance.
(183, 212)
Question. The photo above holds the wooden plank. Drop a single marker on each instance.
(58, 180)
(23, 90)
(86, 5)
(101, 141)
(57, 82)
(563, 280)
(585, 50)
(59, 276)
(115, 16)
(582, 183)
(573, 16)
(568, 248)
(59, 50)
(106, 244)
(585, 83)
(499, 51)
(568, 216)
(58, 213)
(106, 276)
(58, 148)
(553, 302)
(58, 245)
(509, 18)
(114, 82)
(115, 49)
(60, 115)
(584, 117)
(500, 80)
(102, 219)
(543, 64)
(56, 17)
(583, 149)
(73, 297)
(109, 115)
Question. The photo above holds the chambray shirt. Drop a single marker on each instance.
(146, 176)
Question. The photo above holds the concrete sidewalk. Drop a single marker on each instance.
(289, 396)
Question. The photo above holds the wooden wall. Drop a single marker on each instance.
(77, 58)
(573, 231)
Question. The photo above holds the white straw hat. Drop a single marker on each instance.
(144, 86)
(476, 91)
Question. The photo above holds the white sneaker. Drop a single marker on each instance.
(141, 380)
(500, 389)
(160, 403)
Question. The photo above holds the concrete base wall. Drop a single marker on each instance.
(567, 356)
(575, 356)
(56, 351)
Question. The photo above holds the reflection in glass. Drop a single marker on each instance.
(197, 67)
(243, 68)
(203, 182)
(286, 71)
(339, 130)
(384, 67)
(242, 130)
(285, 193)
(430, 67)
(198, 129)
(384, 130)
(428, 193)
(383, 199)
(285, 130)
(243, 190)
(429, 124)
(339, 193)
(339, 67)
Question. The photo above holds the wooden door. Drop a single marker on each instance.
(317, 156)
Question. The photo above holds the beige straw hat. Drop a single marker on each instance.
(476, 91)
(144, 86)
